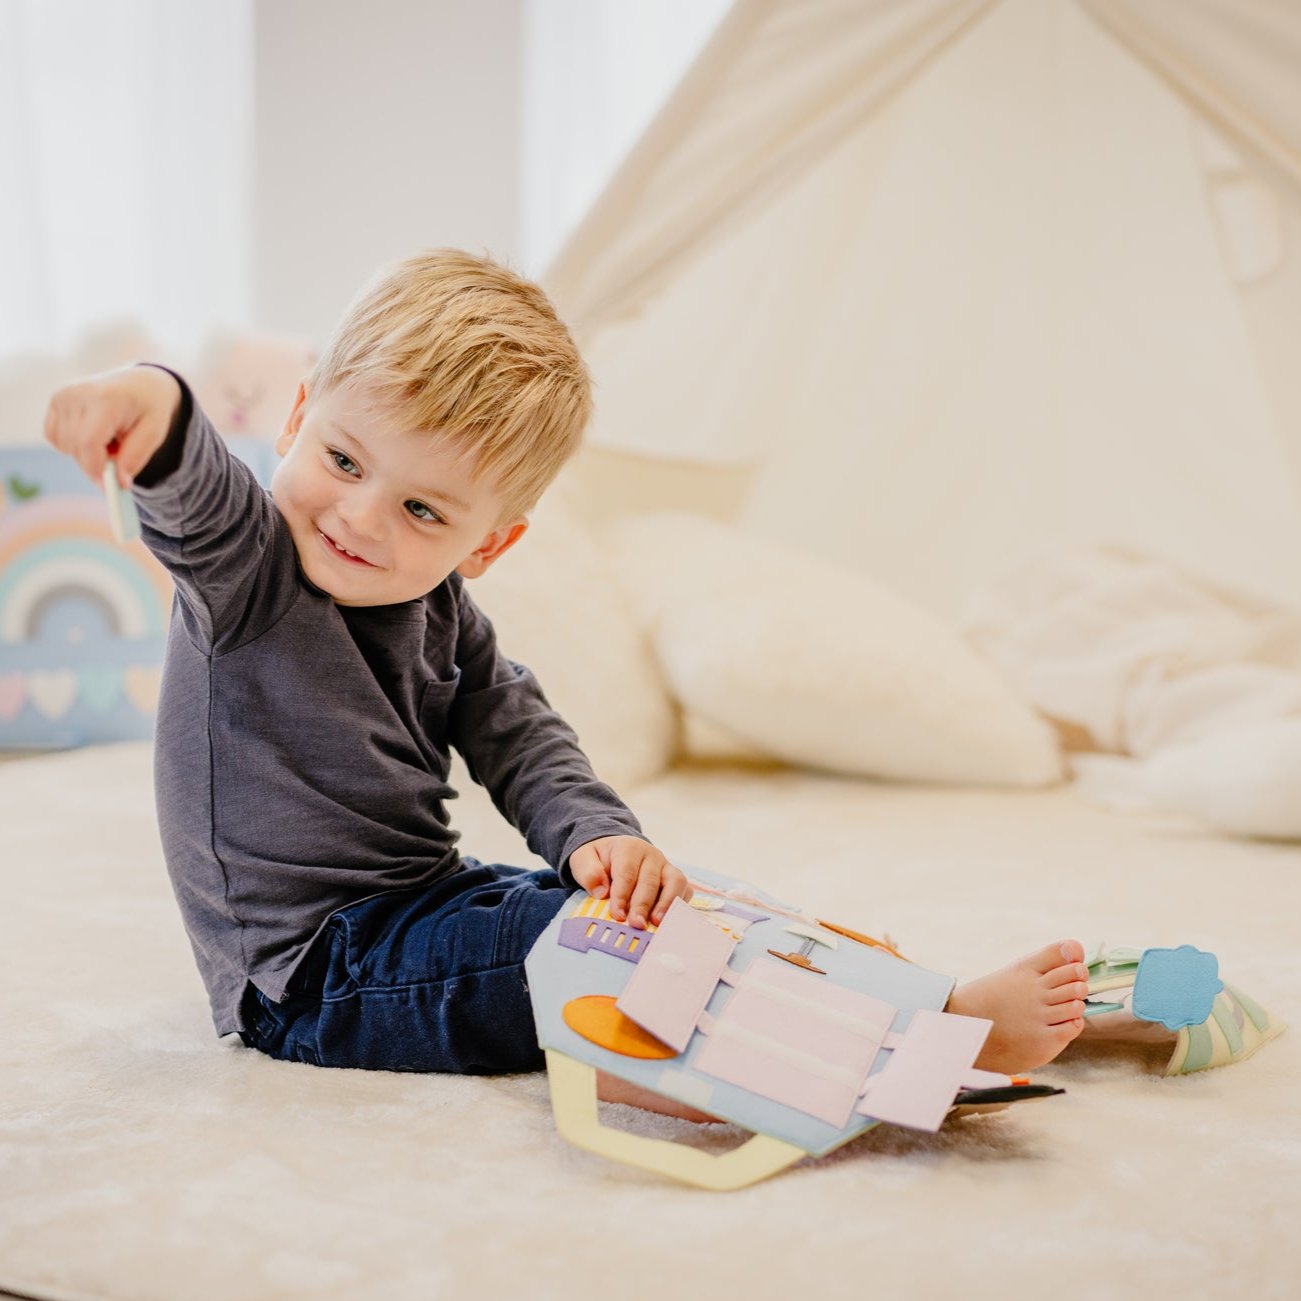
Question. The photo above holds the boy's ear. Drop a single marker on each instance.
(295, 421)
(495, 544)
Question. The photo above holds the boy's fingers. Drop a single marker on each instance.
(81, 433)
(598, 879)
(134, 450)
(125, 451)
(585, 863)
(647, 891)
(126, 444)
(52, 422)
(124, 412)
(92, 460)
(673, 885)
(625, 859)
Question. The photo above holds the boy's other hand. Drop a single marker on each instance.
(639, 880)
(125, 412)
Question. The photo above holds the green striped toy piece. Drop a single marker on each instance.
(1237, 1027)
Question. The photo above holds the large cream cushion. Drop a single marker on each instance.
(558, 608)
(1245, 781)
(815, 665)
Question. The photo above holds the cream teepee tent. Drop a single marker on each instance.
(931, 286)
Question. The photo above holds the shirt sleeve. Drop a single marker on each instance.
(524, 753)
(204, 515)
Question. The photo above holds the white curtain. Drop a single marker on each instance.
(595, 72)
(779, 86)
(995, 319)
(1237, 60)
(125, 168)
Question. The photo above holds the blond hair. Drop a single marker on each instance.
(458, 345)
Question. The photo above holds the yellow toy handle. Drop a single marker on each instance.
(573, 1099)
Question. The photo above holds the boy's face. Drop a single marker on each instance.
(380, 514)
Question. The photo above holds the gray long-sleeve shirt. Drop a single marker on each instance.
(302, 747)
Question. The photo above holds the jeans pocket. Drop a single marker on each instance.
(525, 912)
(263, 1028)
(308, 1056)
(338, 979)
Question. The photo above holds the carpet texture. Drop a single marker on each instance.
(142, 1159)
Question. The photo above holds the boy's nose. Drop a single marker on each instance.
(360, 511)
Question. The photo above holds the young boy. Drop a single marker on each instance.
(323, 657)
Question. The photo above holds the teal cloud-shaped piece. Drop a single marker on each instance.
(1176, 987)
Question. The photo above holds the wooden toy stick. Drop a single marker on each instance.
(860, 938)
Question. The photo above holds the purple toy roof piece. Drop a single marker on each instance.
(615, 938)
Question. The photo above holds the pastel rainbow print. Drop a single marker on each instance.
(82, 625)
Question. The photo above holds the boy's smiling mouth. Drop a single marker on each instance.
(341, 553)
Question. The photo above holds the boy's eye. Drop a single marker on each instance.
(421, 511)
(345, 463)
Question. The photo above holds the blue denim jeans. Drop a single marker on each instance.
(418, 980)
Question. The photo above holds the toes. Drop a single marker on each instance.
(1068, 974)
(1051, 957)
(1064, 1013)
(1071, 991)
(1067, 1032)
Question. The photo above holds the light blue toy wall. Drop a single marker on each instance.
(83, 620)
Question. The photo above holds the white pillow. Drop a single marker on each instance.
(1246, 781)
(558, 608)
(819, 666)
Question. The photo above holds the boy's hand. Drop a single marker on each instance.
(640, 881)
(125, 412)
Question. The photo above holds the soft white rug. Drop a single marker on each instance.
(141, 1159)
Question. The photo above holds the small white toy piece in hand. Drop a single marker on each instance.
(122, 516)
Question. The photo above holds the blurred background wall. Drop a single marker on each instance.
(240, 164)
(379, 128)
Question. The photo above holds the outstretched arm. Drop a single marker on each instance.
(530, 761)
(203, 514)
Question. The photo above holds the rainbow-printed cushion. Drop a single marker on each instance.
(83, 621)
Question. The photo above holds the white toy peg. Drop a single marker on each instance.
(122, 516)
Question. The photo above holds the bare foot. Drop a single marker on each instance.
(1036, 1005)
(610, 1088)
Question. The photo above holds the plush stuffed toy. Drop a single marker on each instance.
(247, 383)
